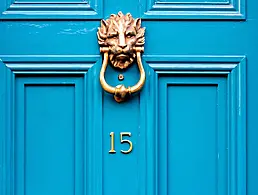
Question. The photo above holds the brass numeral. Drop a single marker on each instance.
(112, 150)
(126, 141)
(122, 140)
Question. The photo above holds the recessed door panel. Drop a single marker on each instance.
(48, 138)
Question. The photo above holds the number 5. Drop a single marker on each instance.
(126, 141)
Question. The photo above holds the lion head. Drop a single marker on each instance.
(121, 33)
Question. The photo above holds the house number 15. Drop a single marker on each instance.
(122, 140)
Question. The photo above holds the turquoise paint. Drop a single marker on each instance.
(205, 75)
(59, 137)
(193, 125)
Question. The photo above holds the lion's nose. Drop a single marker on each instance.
(122, 46)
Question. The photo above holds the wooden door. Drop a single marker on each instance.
(192, 127)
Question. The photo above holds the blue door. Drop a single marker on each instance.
(161, 101)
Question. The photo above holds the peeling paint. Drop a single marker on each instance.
(77, 31)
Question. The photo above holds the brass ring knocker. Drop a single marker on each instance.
(121, 39)
(120, 91)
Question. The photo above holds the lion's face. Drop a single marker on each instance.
(121, 33)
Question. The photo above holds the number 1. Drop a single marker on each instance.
(112, 143)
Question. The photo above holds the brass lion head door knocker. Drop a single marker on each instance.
(121, 39)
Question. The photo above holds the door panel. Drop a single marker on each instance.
(192, 126)
(199, 136)
(189, 152)
(48, 147)
(48, 135)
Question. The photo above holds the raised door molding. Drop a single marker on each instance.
(60, 9)
(186, 10)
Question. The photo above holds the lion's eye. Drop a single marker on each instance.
(112, 35)
(130, 34)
